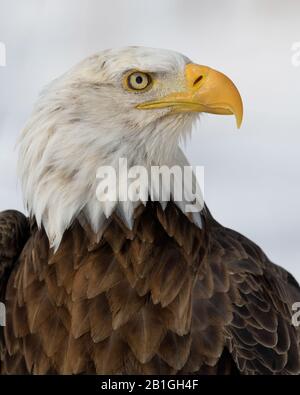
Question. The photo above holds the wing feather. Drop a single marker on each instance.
(14, 232)
(260, 336)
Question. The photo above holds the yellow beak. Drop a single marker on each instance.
(207, 90)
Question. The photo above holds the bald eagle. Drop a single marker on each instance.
(132, 287)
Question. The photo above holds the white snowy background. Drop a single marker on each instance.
(252, 176)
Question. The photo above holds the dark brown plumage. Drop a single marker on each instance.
(165, 297)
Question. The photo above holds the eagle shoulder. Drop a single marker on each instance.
(260, 336)
(14, 232)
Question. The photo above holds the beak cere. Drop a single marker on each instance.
(207, 90)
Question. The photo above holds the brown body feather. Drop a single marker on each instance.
(164, 298)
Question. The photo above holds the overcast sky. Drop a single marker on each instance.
(252, 175)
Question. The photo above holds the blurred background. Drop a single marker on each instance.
(252, 176)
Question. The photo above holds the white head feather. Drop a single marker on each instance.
(86, 119)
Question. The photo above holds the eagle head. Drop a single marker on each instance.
(136, 103)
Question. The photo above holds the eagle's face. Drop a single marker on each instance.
(137, 86)
(135, 103)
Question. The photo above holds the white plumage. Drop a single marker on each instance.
(62, 146)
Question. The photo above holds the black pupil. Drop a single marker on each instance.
(139, 79)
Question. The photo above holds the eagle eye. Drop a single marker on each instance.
(137, 81)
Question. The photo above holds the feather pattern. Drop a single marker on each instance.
(148, 303)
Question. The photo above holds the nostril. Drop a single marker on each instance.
(197, 80)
